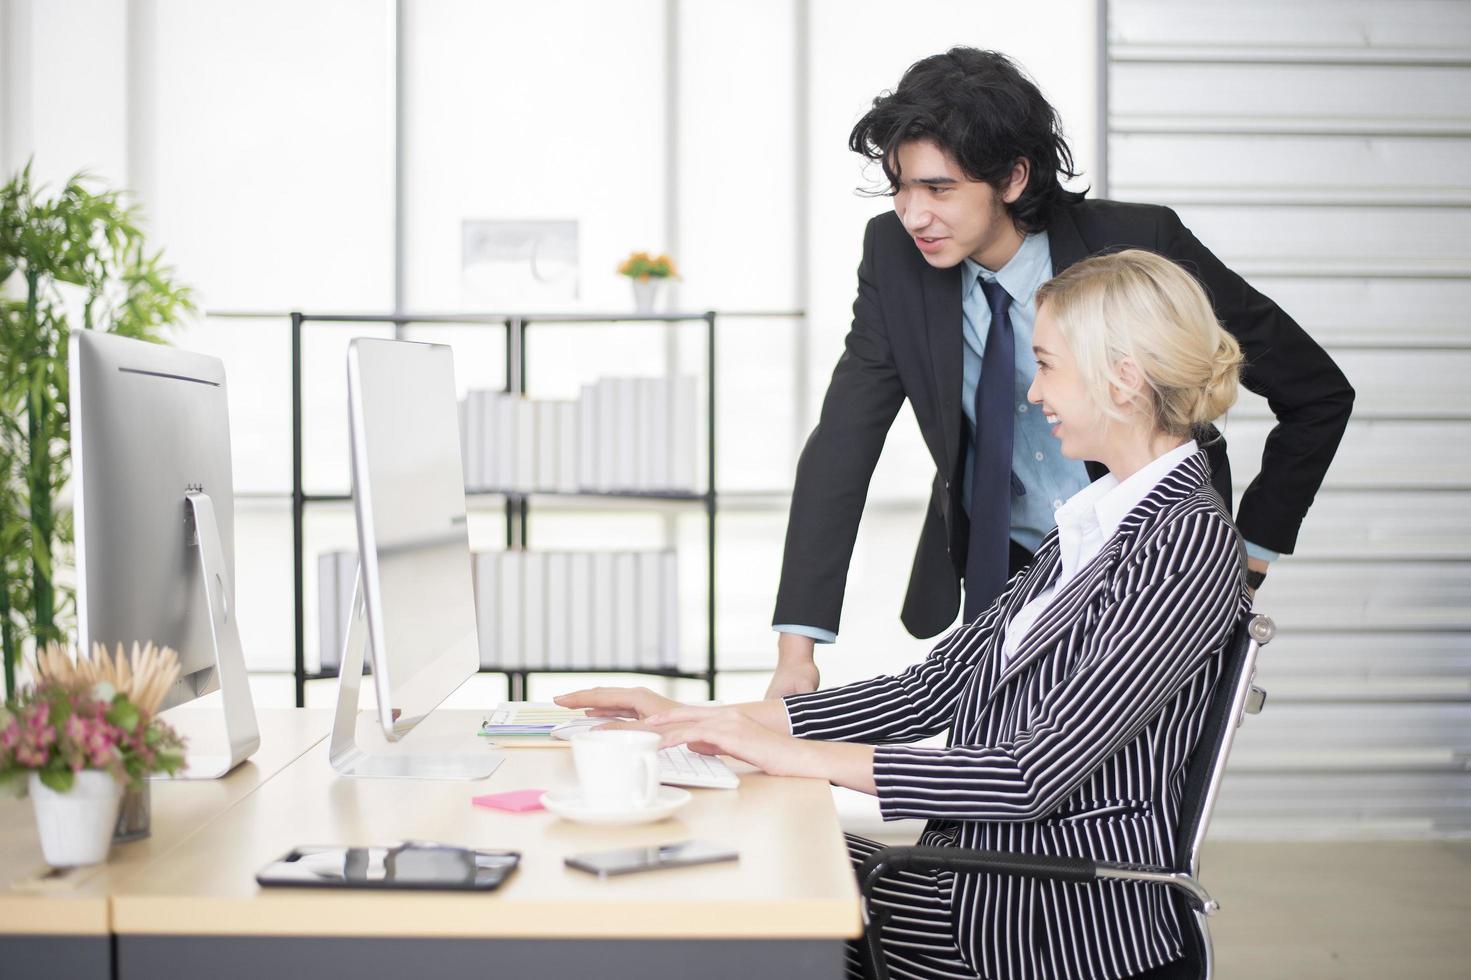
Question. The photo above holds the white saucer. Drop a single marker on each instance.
(567, 803)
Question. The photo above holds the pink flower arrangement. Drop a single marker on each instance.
(61, 726)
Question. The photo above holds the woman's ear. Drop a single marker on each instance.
(1127, 388)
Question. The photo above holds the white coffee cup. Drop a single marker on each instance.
(617, 770)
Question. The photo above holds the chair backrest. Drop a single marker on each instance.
(1208, 761)
(1203, 779)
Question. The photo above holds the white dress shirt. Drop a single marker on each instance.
(1084, 524)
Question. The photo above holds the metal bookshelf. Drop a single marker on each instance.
(517, 504)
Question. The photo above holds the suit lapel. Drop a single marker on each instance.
(1041, 573)
(1062, 613)
(942, 332)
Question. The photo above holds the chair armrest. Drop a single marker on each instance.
(1053, 867)
(887, 860)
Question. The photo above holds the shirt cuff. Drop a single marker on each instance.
(814, 632)
(1254, 551)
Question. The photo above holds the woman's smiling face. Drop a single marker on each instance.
(1059, 388)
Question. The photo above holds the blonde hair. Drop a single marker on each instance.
(1137, 305)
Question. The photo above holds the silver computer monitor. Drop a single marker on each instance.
(414, 604)
(154, 518)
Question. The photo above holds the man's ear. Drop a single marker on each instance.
(1017, 182)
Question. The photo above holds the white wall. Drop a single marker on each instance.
(1323, 149)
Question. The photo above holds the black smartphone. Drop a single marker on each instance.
(630, 859)
(412, 865)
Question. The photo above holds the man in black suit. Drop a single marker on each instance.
(974, 156)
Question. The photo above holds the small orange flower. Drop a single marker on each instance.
(642, 266)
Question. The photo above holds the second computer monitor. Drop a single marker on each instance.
(409, 494)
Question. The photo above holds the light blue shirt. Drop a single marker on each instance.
(1044, 478)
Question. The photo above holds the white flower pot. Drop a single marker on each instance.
(76, 827)
(645, 293)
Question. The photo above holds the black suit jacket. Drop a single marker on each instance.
(906, 342)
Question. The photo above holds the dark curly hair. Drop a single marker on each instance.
(984, 112)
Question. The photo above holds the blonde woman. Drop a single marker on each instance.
(1073, 702)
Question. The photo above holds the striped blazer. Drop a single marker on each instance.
(1076, 746)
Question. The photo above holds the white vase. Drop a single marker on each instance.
(76, 827)
(645, 291)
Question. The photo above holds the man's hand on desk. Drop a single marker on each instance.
(796, 673)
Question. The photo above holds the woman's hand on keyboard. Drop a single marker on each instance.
(727, 731)
(617, 702)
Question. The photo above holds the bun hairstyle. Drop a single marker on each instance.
(1137, 305)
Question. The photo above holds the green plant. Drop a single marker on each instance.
(73, 260)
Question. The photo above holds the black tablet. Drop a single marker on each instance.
(412, 865)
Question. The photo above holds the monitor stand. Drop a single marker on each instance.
(242, 734)
(406, 759)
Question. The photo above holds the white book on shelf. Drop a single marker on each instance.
(509, 610)
(548, 435)
(477, 438)
(484, 409)
(643, 434)
(487, 605)
(329, 645)
(534, 610)
(669, 609)
(568, 441)
(607, 427)
(558, 610)
(474, 431)
(604, 609)
(525, 465)
(503, 449)
(659, 433)
(587, 438)
(647, 593)
(580, 624)
(462, 407)
(497, 438)
(625, 610)
(684, 420)
(625, 428)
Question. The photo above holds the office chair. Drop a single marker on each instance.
(1235, 695)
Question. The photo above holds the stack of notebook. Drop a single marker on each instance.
(527, 719)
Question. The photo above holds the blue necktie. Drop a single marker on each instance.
(988, 554)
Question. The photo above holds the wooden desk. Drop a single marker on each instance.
(783, 910)
(58, 924)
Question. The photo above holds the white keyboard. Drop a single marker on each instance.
(682, 766)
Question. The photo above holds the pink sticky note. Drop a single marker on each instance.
(516, 801)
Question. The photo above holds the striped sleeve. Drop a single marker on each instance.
(1176, 605)
(905, 707)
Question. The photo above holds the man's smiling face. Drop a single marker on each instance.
(951, 216)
